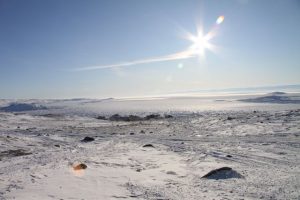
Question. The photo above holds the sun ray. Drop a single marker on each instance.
(200, 43)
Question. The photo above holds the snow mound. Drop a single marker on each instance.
(20, 107)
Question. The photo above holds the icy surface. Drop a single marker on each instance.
(38, 150)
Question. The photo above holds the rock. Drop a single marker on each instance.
(14, 153)
(148, 145)
(152, 116)
(131, 133)
(168, 116)
(57, 145)
(171, 173)
(229, 156)
(80, 166)
(117, 117)
(87, 139)
(133, 118)
(101, 117)
(230, 118)
(222, 173)
(51, 115)
(142, 131)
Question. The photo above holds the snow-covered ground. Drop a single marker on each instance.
(260, 141)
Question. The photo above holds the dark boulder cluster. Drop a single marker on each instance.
(128, 118)
(132, 118)
(152, 116)
(101, 117)
(14, 153)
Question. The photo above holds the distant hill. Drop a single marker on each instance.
(20, 107)
(274, 97)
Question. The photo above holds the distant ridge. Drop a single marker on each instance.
(262, 89)
(20, 107)
(274, 97)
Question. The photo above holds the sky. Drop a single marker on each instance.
(124, 48)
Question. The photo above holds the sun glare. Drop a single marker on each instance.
(200, 43)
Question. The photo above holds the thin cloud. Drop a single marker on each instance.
(177, 56)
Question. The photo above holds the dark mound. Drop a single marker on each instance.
(129, 118)
(148, 145)
(20, 107)
(14, 153)
(153, 116)
(168, 116)
(230, 118)
(101, 117)
(222, 173)
(80, 166)
(277, 93)
(51, 115)
(87, 139)
(280, 99)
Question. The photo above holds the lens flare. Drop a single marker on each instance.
(220, 19)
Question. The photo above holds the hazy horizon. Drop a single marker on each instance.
(262, 90)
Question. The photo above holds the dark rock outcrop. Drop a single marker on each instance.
(117, 117)
(87, 139)
(80, 166)
(222, 173)
(14, 153)
(152, 116)
(101, 117)
(148, 145)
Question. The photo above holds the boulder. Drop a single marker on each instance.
(101, 117)
(148, 145)
(117, 117)
(152, 116)
(80, 166)
(87, 139)
(222, 173)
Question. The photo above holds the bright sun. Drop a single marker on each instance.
(200, 43)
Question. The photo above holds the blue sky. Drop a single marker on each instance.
(43, 43)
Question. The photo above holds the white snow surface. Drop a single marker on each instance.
(38, 150)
